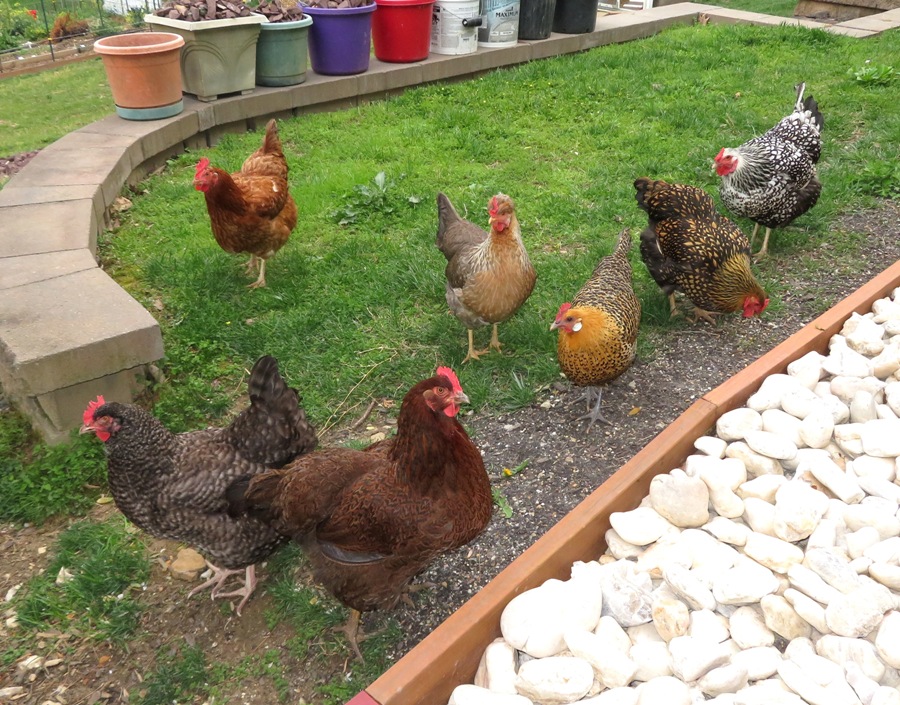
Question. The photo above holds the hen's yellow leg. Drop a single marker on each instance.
(261, 280)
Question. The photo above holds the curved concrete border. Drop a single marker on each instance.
(69, 332)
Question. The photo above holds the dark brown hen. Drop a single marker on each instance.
(370, 520)
(173, 485)
(688, 246)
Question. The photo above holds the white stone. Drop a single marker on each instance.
(748, 628)
(765, 399)
(818, 685)
(763, 487)
(706, 552)
(866, 338)
(863, 407)
(798, 510)
(862, 685)
(842, 484)
(887, 639)
(671, 617)
(613, 696)
(811, 583)
(873, 511)
(817, 428)
(886, 363)
(771, 445)
(881, 438)
(681, 500)
(755, 463)
(783, 424)
(534, 621)
(845, 388)
(808, 369)
(499, 667)
(885, 696)
(825, 534)
(775, 554)
(668, 550)
(885, 412)
(885, 551)
(727, 531)
(692, 658)
(862, 653)
(782, 619)
(666, 690)
(555, 680)
(626, 593)
(611, 664)
(848, 436)
(800, 402)
(734, 425)
(759, 661)
(842, 360)
(880, 488)
(619, 547)
(858, 612)
(639, 526)
(642, 633)
(468, 694)
(706, 625)
(652, 660)
(711, 446)
(725, 679)
(885, 310)
(764, 694)
(886, 574)
(688, 588)
(832, 568)
(745, 583)
(809, 610)
(892, 395)
(759, 515)
(876, 468)
(858, 541)
(840, 412)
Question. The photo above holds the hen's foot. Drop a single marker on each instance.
(764, 250)
(252, 265)
(707, 316)
(217, 582)
(350, 629)
(473, 354)
(593, 413)
(261, 280)
(495, 341)
(673, 310)
(405, 596)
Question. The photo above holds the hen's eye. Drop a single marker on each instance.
(441, 390)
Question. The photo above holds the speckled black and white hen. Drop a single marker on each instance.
(771, 179)
(173, 485)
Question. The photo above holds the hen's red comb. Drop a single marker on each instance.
(88, 417)
(201, 166)
(563, 310)
(451, 375)
(493, 207)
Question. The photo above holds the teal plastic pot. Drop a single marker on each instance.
(281, 52)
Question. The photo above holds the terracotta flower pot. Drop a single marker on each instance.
(144, 73)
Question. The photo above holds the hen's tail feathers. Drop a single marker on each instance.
(447, 216)
(623, 247)
(273, 430)
(256, 501)
(236, 496)
(272, 142)
(808, 105)
(645, 189)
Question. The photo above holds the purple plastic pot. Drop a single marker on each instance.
(340, 39)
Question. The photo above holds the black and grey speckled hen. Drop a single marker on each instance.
(688, 246)
(173, 485)
(771, 179)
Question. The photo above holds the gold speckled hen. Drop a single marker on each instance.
(598, 329)
(489, 275)
(688, 246)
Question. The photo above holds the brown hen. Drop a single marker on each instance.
(688, 246)
(173, 485)
(251, 210)
(370, 521)
(489, 275)
(598, 329)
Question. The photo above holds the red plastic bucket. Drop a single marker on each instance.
(401, 30)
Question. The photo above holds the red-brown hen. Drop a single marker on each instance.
(370, 520)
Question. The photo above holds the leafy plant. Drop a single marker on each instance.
(367, 200)
(879, 177)
(870, 74)
(181, 674)
(501, 502)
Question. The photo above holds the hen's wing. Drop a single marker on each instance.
(456, 237)
(273, 430)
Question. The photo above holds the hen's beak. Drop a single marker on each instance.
(85, 429)
(554, 325)
(460, 398)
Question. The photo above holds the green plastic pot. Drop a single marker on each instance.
(281, 53)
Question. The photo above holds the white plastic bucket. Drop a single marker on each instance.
(454, 26)
(500, 23)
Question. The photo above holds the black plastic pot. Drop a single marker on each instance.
(575, 16)
(536, 18)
